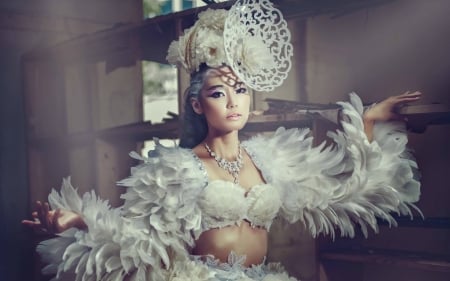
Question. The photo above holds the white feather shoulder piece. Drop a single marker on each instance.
(160, 218)
(350, 182)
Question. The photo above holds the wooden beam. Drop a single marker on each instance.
(422, 261)
(120, 40)
(43, 23)
(105, 12)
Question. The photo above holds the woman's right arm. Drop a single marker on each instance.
(159, 216)
(89, 236)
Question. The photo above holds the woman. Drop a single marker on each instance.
(202, 211)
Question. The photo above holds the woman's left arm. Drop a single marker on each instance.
(386, 111)
(367, 172)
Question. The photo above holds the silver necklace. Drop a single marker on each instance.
(232, 167)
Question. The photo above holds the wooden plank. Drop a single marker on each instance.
(46, 169)
(309, 8)
(44, 103)
(340, 271)
(112, 164)
(295, 248)
(422, 115)
(142, 131)
(435, 108)
(78, 93)
(99, 11)
(270, 122)
(164, 27)
(396, 258)
(26, 21)
(117, 96)
(137, 132)
(428, 222)
(82, 168)
(154, 35)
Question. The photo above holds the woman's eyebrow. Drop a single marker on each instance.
(240, 84)
(214, 87)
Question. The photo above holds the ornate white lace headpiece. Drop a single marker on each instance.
(252, 38)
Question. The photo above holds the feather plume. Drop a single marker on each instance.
(343, 185)
(159, 215)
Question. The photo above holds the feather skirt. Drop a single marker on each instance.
(209, 269)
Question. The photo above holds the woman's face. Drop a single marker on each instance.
(224, 100)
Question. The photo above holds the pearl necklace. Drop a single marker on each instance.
(232, 167)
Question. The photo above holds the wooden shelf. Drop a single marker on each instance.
(432, 222)
(396, 258)
(127, 42)
(421, 116)
(123, 42)
(270, 122)
(143, 131)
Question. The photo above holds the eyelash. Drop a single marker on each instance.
(241, 90)
(217, 95)
(221, 94)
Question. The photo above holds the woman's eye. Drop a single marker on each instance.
(241, 90)
(217, 95)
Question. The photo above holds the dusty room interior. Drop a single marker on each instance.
(71, 104)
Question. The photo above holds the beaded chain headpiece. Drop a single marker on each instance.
(252, 38)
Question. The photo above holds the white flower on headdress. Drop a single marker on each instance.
(213, 19)
(174, 53)
(252, 38)
(201, 43)
(253, 54)
(210, 48)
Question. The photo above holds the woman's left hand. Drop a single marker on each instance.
(387, 109)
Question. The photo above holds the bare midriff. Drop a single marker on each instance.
(242, 240)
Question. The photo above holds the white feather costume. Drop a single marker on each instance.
(327, 188)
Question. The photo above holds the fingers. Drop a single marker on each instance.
(412, 93)
(46, 216)
(411, 96)
(405, 98)
(49, 218)
(41, 214)
(31, 223)
(54, 219)
(35, 225)
(43, 218)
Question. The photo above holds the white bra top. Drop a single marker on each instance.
(225, 203)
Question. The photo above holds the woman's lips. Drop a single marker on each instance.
(234, 116)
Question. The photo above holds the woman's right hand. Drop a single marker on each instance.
(53, 221)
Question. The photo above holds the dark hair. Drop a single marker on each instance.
(194, 126)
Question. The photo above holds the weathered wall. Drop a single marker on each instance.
(27, 25)
(381, 51)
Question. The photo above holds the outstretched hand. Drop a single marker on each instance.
(53, 221)
(387, 110)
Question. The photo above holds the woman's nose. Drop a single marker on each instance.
(232, 101)
(231, 105)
